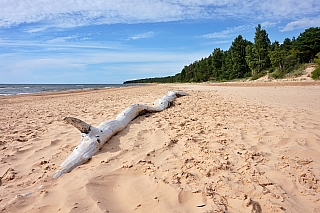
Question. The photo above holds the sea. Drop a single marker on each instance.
(20, 89)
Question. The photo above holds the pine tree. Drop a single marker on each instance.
(308, 43)
(226, 69)
(251, 59)
(216, 63)
(277, 55)
(238, 57)
(258, 58)
(286, 45)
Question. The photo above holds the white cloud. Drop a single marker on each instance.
(64, 14)
(302, 23)
(221, 42)
(289, 9)
(143, 35)
(82, 12)
(36, 29)
(61, 39)
(60, 43)
(228, 33)
(267, 24)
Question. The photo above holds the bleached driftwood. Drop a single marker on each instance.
(93, 138)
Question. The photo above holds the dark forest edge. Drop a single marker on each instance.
(246, 59)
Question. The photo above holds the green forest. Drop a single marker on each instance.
(246, 59)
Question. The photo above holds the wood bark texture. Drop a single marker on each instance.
(93, 138)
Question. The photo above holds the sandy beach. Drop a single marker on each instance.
(240, 148)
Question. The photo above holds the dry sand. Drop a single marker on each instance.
(221, 149)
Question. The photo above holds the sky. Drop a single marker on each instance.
(111, 41)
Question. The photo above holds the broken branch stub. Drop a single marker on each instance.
(93, 138)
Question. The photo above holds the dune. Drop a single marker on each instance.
(248, 148)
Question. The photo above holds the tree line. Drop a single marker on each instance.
(246, 59)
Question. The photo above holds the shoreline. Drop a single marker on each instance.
(219, 149)
(35, 89)
(67, 92)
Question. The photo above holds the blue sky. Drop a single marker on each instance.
(110, 41)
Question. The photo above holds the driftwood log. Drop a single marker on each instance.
(93, 138)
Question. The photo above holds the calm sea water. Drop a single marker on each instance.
(18, 89)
